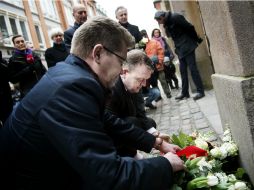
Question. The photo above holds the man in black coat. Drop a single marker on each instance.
(56, 137)
(25, 66)
(80, 16)
(127, 101)
(6, 102)
(122, 16)
(186, 41)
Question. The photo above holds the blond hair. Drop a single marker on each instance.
(55, 31)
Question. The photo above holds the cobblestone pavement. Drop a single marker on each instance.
(173, 116)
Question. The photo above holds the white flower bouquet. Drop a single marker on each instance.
(209, 167)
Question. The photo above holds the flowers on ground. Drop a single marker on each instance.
(207, 165)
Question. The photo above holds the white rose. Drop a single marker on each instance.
(226, 132)
(203, 163)
(227, 138)
(212, 180)
(224, 152)
(222, 177)
(231, 187)
(230, 148)
(240, 185)
(231, 178)
(215, 152)
(201, 144)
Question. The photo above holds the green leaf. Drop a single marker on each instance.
(239, 173)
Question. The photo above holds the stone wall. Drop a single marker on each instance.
(229, 26)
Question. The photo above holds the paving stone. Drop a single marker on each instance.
(201, 120)
(202, 126)
(186, 122)
(175, 118)
(198, 115)
(186, 117)
(195, 110)
(175, 122)
(186, 127)
(185, 113)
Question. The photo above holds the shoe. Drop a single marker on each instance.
(151, 106)
(180, 97)
(198, 96)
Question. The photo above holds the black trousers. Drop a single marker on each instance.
(185, 62)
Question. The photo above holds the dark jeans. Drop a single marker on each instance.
(190, 61)
(170, 78)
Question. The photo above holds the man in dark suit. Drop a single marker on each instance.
(127, 101)
(80, 16)
(56, 137)
(6, 102)
(122, 16)
(186, 41)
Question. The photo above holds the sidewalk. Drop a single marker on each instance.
(187, 115)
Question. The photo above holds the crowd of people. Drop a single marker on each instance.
(80, 123)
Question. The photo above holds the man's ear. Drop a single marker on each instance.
(97, 52)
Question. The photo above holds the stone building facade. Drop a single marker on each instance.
(226, 60)
(35, 18)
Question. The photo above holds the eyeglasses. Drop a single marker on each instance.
(81, 12)
(120, 57)
(58, 35)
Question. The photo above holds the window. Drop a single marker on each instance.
(13, 26)
(32, 6)
(23, 29)
(49, 9)
(3, 28)
(38, 33)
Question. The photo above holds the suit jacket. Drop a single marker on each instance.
(134, 30)
(182, 32)
(124, 104)
(55, 139)
(68, 34)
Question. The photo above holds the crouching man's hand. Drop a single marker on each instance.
(175, 161)
(165, 147)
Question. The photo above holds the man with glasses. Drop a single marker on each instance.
(56, 137)
(59, 51)
(127, 100)
(80, 16)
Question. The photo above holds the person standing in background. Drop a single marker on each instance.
(186, 41)
(80, 16)
(59, 51)
(122, 16)
(155, 51)
(6, 102)
(25, 66)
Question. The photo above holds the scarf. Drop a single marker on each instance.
(28, 54)
(159, 39)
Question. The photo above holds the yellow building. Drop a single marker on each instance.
(35, 18)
